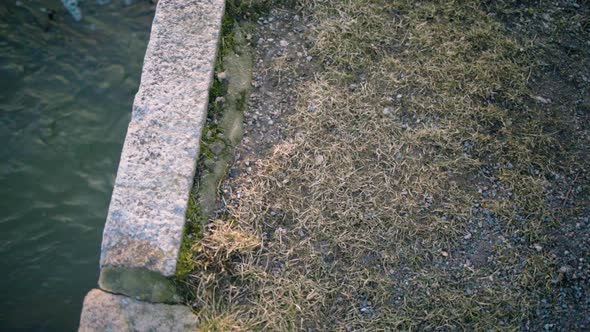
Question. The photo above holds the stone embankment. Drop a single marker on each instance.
(146, 217)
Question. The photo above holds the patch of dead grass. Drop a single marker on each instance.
(366, 220)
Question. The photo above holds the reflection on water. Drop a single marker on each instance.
(66, 90)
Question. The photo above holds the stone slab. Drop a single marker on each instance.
(146, 216)
(108, 312)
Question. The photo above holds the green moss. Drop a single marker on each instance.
(192, 233)
(242, 11)
(241, 101)
(193, 215)
(248, 9)
(185, 263)
(213, 168)
(140, 284)
(206, 152)
(228, 114)
(217, 88)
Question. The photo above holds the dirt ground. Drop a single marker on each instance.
(407, 166)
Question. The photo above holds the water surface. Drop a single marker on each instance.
(66, 91)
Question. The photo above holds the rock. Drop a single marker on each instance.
(103, 311)
(319, 159)
(284, 43)
(209, 164)
(387, 111)
(217, 147)
(221, 76)
(541, 99)
(566, 269)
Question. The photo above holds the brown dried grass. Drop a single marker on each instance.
(358, 221)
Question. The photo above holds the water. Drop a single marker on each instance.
(66, 91)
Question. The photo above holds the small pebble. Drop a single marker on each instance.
(284, 43)
(566, 269)
(319, 159)
(541, 99)
(221, 76)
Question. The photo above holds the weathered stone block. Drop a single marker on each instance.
(146, 216)
(108, 312)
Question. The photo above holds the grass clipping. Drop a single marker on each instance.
(369, 217)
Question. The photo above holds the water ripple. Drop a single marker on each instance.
(65, 97)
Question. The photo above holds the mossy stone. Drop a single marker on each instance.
(139, 284)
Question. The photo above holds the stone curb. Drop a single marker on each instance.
(108, 312)
(145, 222)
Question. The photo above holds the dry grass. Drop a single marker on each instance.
(373, 220)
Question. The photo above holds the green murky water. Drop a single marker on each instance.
(66, 91)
